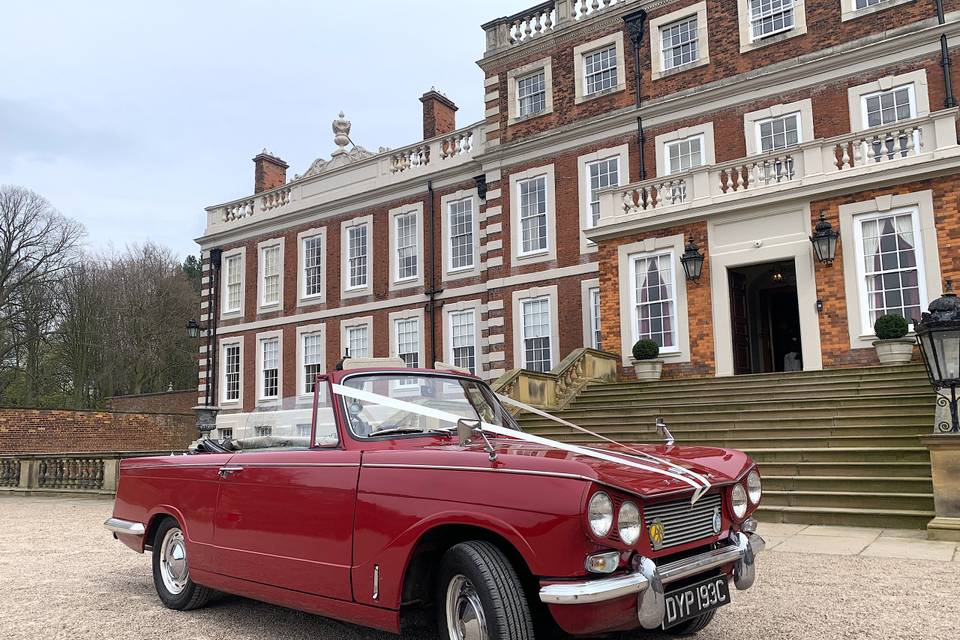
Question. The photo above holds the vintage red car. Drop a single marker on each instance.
(401, 490)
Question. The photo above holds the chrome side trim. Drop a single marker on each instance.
(520, 472)
(125, 527)
(742, 552)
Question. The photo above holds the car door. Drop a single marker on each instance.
(285, 518)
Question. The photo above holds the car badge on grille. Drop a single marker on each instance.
(716, 520)
(657, 533)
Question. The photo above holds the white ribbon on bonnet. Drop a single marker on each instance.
(664, 467)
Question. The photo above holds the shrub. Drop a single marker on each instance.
(646, 349)
(890, 327)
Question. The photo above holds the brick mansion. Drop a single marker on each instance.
(618, 136)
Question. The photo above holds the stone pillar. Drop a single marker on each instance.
(945, 467)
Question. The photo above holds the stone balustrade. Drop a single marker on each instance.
(811, 164)
(540, 20)
(555, 389)
(381, 169)
(93, 473)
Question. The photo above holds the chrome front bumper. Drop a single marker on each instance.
(648, 580)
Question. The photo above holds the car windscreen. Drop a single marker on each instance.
(402, 403)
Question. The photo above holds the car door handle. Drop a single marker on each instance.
(227, 470)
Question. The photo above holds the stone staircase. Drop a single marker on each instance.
(834, 447)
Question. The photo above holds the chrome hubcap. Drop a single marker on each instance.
(465, 619)
(173, 562)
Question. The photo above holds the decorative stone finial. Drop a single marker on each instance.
(341, 131)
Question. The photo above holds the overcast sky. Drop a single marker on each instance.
(131, 116)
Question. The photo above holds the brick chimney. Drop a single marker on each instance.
(269, 172)
(439, 114)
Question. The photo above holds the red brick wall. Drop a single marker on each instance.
(54, 431)
(173, 402)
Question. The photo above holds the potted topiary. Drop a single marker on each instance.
(891, 345)
(645, 362)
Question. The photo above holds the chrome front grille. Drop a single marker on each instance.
(683, 522)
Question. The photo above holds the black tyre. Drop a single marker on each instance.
(692, 625)
(171, 571)
(480, 597)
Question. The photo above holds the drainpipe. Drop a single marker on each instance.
(432, 290)
(214, 313)
(634, 23)
(949, 101)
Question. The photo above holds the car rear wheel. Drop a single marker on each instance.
(171, 570)
(480, 596)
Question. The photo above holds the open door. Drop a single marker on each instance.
(739, 322)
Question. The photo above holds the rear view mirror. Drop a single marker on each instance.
(466, 429)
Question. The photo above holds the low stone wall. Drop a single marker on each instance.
(43, 431)
(57, 473)
(180, 402)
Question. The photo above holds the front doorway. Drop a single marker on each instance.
(765, 318)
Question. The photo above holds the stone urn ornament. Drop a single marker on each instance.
(892, 345)
(645, 362)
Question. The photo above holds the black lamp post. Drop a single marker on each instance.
(824, 240)
(692, 261)
(938, 333)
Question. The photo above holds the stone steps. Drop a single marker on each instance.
(834, 447)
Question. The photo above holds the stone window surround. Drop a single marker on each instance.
(260, 339)
(417, 281)
(456, 307)
(366, 321)
(921, 202)
(752, 120)
(514, 75)
(746, 40)
(623, 173)
(580, 72)
(304, 330)
(445, 202)
(261, 246)
(626, 254)
(302, 298)
(224, 343)
(516, 241)
(709, 154)
(407, 314)
(856, 95)
(236, 313)
(587, 324)
(345, 292)
(550, 292)
(656, 44)
(849, 11)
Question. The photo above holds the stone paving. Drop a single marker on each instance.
(63, 576)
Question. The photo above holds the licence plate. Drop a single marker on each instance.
(690, 602)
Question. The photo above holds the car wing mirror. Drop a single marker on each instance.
(467, 429)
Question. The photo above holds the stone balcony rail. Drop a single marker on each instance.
(820, 165)
(83, 473)
(556, 388)
(540, 20)
(361, 176)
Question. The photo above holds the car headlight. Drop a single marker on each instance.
(739, 501)
(600, 514)
(628, 522)
(753, 487)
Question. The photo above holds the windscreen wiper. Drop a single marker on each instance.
(402, 430)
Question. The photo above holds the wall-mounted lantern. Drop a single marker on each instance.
(692, 261)
(824, 240)
(938, 333)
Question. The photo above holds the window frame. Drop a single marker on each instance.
(704, 129)
(866, 327)
(303, 298)
(408, 315)
(475, 342)
(751, 130)
(348, 291)
(920, 97)
(521, 97)
(550, 293)
(351, 323)
(519, 73)
(850, 11)
(303, 332)
(394, 216)
(518, 257)
(262, 249)
(758, 128)
(225, 344)
(657, 67)
(666, 153)
(262, 339)
(674, 298)
(580, 53)
(478, 309)
(747, 40)
(446, 249)
(239, 255)
(865, 115)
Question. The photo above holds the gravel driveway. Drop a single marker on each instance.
(63, 576)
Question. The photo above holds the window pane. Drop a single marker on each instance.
(357, 255)
(312, 360)
(270, 367)
(600, 68)
(888, 107)
(531, 94)
(779, 133)
(768, 17)
(408, 341)
(595, 317)
(233, 268)
(461, 234)
(270, 257)
(679, 43)
(602, 174)
(463, 340)
(891, 268)
(533, 214)
(653, 291)
(684, 154)
(231, 368)
(535, 317)
(313, 265)
(406, 238)
(357, 341)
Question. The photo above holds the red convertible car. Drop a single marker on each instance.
(399, 490)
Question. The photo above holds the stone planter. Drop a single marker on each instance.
(648, 369)
(895, 351)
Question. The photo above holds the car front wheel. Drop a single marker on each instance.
(171, 570)
(480, 596)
